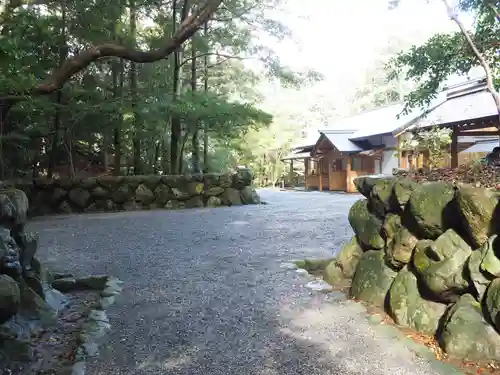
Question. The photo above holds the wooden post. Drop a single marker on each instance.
(348, 174)
(290, 174)
(320, 176)
(454, 148)
(306, 171)
(330, 174)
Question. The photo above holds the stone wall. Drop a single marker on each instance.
(117, 193)
(429, 254)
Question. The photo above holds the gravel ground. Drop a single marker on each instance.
(205, 293)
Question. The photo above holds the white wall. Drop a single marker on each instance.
(389, 161)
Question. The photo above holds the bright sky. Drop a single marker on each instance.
(341, 40)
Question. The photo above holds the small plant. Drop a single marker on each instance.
(434, 141)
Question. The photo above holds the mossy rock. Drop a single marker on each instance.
(477, 208)
(431, 210)
(483, 266)
(441, 265)
(466, 334)
(409, 309)
(366, 225)
(399, 250)
(372, 279)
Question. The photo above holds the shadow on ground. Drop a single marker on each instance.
(205, 294)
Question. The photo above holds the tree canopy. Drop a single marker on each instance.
(431, 63)
(133, 86)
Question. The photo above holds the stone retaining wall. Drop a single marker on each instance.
(430, 256)
(117, 193)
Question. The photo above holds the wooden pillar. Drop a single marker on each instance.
(330, 174)
(290, 174)
(348, 169)
(320, 176)
(454, 148)
(306, 171)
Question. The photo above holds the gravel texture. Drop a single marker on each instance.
(206, 293)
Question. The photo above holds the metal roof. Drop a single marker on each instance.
(483, 146)
(460, 108)
(340, 139)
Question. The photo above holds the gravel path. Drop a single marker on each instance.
(205, 293)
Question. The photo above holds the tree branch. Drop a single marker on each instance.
(227, 57)
(495, 11)
(79, 62)
(489, 76)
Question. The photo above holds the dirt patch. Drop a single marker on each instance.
(51, 350)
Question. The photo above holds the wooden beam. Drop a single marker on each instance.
(454, 148)
(348, 169)
(306, 171)
(330, 175)
(478, 133)
(320, 176)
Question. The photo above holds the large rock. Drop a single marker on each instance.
(400, 249)
(243, 177)
(10, 263)
(466, 334)
(392, 224)
(13, 207)
(365, 185)
(163, 194)
(366, 225)
(381, 196)
(372, 279)
(143, 194)
(10, 298)
(231, 197)
(248, 195)
(402, 190)
(440, 265)
(480, 262)
(492, 303)
(409, 309)
(344, 266)
(79, 196)
(431, 210)
(477, 207)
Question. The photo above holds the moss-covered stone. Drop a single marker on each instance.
(466, 334)
(477, 207)
(392, 224)
(10, 298)
(480, 261)
(431, 209)
(409, 309)
(440, 265)
(372, 278)
(400, 249)
(492, 303)
(402, 190)
(366, 225)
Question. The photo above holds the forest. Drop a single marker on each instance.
(79, 96)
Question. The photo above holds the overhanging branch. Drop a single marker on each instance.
(79, 62)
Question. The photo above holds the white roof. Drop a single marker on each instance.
(459, 108)
(341, 140)
(483, 146)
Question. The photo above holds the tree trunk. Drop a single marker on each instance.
(136, 138)
(205, 88)
(63, 52)
(195, 140)
(176, 131)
